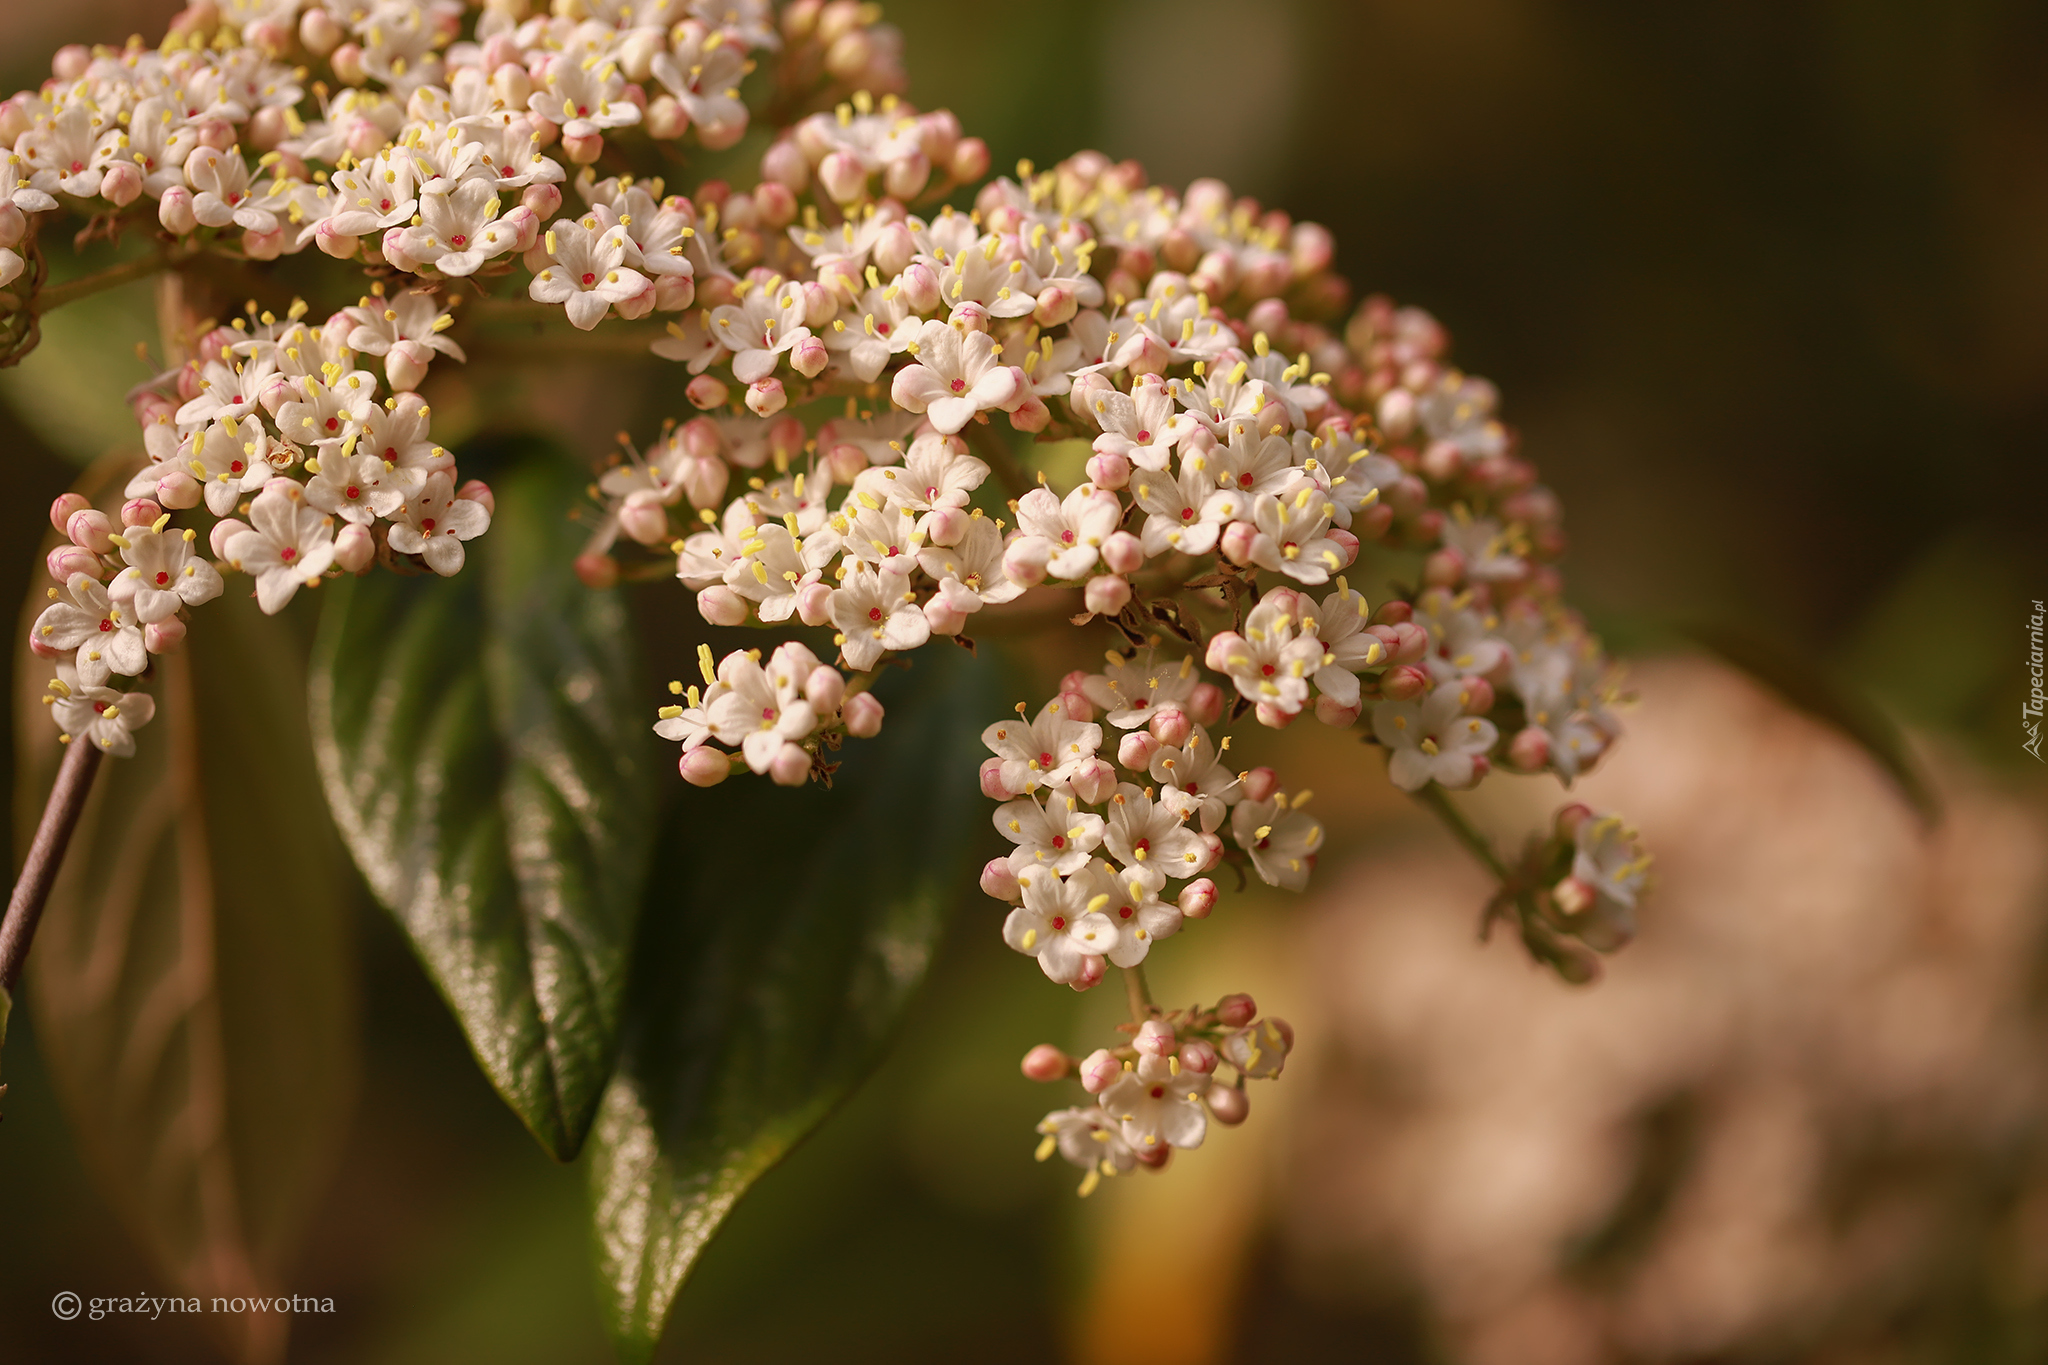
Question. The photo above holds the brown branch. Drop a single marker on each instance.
(45, 857)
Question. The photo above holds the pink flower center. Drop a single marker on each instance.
(588, 279)
(77, 166)
(162, 578)
(105, 624)
(1067, 537)
(1187, 514)
(1144, 436)
(959, 386)
(1245, 480)
(1123, 912)
(1059, 841)
(457, 240)
(234, 467)
(334, 424)
(1142, 846)
(99, 708)
(1045, 760)
(288, 554)
(427, 524)
(1059, 921)
(1158, 1092)
(354, 492)
(874, 613)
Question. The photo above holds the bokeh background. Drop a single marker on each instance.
(1763, 285)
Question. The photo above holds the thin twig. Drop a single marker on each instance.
(45, 857)
(57, 295)
(1434, 799)
(1140, 993)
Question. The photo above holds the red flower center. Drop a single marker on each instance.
(1158, 1092)
(1123, 912)
(105, 624)
(354, 492)
(1059, 841)
(234, 466)
(1059, 921)
(959, 386)
(588, 279)
(334, 424)
(457, 240)
(427, 524)
(162, 578)
(288, 554)
(874, 613)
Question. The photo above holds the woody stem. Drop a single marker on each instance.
(45, 857)
(1434, 799)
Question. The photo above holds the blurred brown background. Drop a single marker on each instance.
(1763, 286)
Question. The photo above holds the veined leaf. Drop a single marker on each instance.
(784, 933)
(488, 757)
(193, 977)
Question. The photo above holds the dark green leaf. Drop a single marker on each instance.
(193, 977)
(784, 934)
(488, 755)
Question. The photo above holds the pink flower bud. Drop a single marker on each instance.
(392, 247)
(1122, 552)
(1099, 1070)
(666, 119)
(122, 184)
(1235, 1011)
(775, 203)
(1222, 645)
(791, 766)
(1476, 695)
(1198, 1055)
(1237, 541)
(319, 31)
(765, 397)
(355, 548)
(13, 222)
(140, 511)
(1094, 781)
(849, 55)
(1155, 1039)
(340, 245)
(1056, 305)
(863, 715)
(945, 525)
(808, 357)
(893, 250)
(1154, 1157)
(1274, 717)
(264, 246)
(224, 530)
(784, 164)
(179, 490)
(824, 689)
(1335, 714)
(1212, 853)
(920, 287)
(44, 651)
(1198, 898)
(1025, 560)
(1529, 751)
(814, 603)
(1135, 751)
(842, 177)
(1171, 726)
(1569, 818)
(1404, 683)
(704, 766)
(1106, 594)
(721, 606)
(999, 881)
(906, 176)
(970, 159)
(544, 200)
(161, 637)
(70, 61)
(1030, 414)
(847, 462)
(1046, 1063)
(597, 569)
(582, 148)
(645, 520)
(1443, 569)
(90, 528)
(1092, 969)
(1347, 545)
(1205, 703)
(943, 617)
(67, 560)
(66, 506)
(405, 364)
(706, 392)
(1228, 1105)
(174, 211)
(1111, 471)
(1260, 784)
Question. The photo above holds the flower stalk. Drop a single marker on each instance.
(45, 858)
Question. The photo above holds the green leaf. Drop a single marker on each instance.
(489, 758)
(784, 934)
(193, 978)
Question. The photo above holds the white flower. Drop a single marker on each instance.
(1185, 513)
(1056, 838)
(937, 472)
(436, 522)
(1462, 640)
(1156, 1104)
(1271, 662)
(1131, 692)
(876, 612)
(1433, 740)
(1458, 409)
(954, 377)
(99, 716)
(1089, 1139)
(1130, 900)
(1259, 1051)
(1073, 527)
(1293, 535)
(289, 544)
(1142, 834)
(460, 229)
(353, 487)
(1608, 860)
(975, 565)
(1282, 842)
(703, 73)
(766, 322)
(326, 414)
(221, 180)
(397, 433)
(770, 572)
(1055, 925)
(1255, 465)
(587, 272)
(583, 96)
(1194, 781)
(762, 710)
(369, 196)
(1044, 752)
(107, 637)
(1140, 425)
(1339, 628)
(162, 574)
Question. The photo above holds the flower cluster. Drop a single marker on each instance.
(779, 715)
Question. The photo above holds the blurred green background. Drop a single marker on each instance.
(1763, 286)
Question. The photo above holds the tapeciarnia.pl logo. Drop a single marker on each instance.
(2030, 710)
